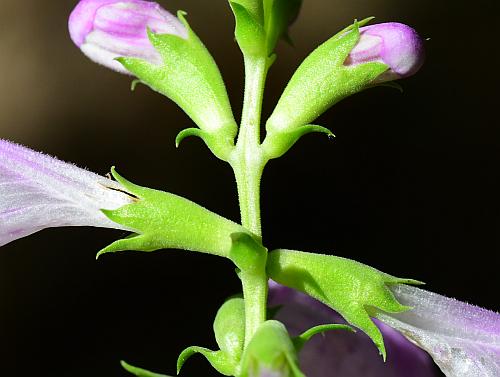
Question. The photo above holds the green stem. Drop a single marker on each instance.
(247, 159)
(248, 164)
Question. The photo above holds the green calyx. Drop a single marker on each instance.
(270, 351)
(163, 220)
(260, 23)
(354, 290)
(190, 77)
(320, 81)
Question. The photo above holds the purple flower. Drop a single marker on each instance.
(342, 353)
(397, 45)
(107, 29)
(38, 191)
(464, 340)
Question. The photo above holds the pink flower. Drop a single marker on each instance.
(38, 191)
(462, 339)
(107, 29)
(397, 45)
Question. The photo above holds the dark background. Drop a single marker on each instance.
(410, 185)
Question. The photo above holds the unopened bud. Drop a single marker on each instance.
(107, 29)
(394, 44)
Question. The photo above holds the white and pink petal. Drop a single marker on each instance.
(38, 191)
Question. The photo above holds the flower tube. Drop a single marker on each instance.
(38, 191)
(108, 29)
(463, 339)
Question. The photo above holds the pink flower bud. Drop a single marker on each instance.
(397, 45)
(108, 29)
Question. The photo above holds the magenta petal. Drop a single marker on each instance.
(107, 29)
(397, 45)
(38, 191)
(344, 354)
(464, 340)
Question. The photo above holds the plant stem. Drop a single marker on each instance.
(248, 164)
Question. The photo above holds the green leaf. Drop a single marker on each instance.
(218, 359)
(139, 372)
(163, 220)
(249, 32)
(354, 290)
(270, 351)
(303, 338)
(190, 77)
(229, 328)
(321, 81)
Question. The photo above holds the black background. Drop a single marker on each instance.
(410, 185)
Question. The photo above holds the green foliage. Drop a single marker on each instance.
(190, 77)
(270, 350)
(320, 81)
(139, 372)
(163, 220)
(354, 290)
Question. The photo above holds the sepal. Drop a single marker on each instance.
(270, 352)
(163, 220)
(354, 290)
(321, 81)
(218, 359)
(139, 372)
(190, 77)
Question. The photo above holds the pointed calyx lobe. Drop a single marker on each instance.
(354, 290)
(163, 220)
(349, 62)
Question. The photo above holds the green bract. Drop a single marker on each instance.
(353, 289)
(270, 352)
(189, 76)
(163, 220)
(229, 329)
(320, 81)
